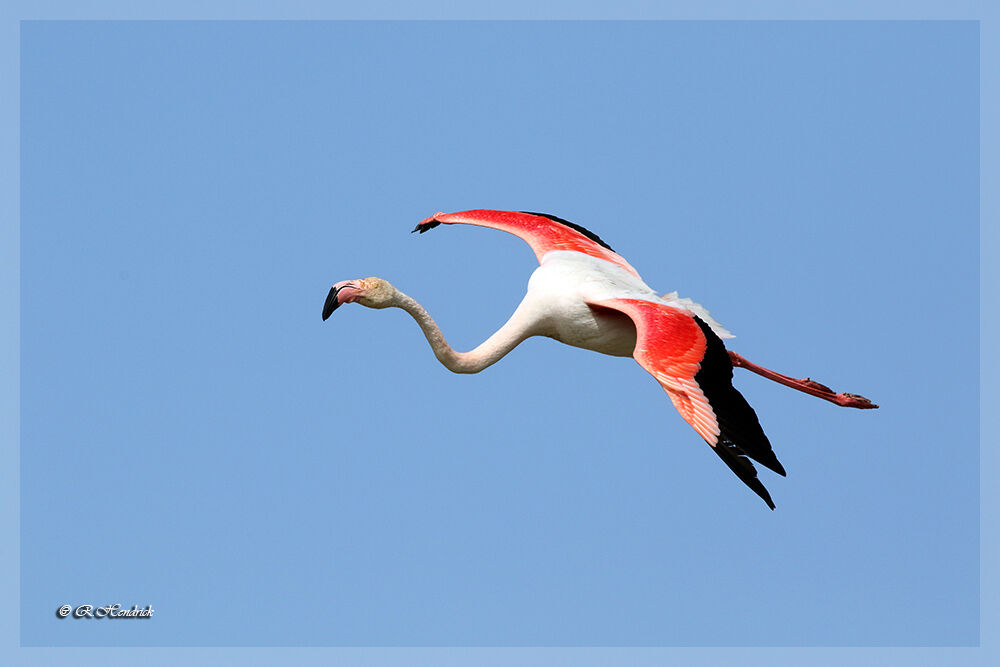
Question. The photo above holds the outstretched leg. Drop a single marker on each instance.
(806, 385)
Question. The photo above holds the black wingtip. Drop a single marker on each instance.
(424, 226)
(739, 463)
(331, 303)
(737, 420)
(759, 489)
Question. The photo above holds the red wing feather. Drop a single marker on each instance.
(543, 233)
(670, 346)
(689, 360)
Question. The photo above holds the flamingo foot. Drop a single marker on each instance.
(806, 385)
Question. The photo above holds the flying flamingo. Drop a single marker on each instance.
(586, 295)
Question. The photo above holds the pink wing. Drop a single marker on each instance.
(670, 346)
(544, 233)
(692, 365)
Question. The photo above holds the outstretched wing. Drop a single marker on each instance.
(691, 363)
(544, 233)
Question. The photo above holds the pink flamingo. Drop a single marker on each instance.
(586, 295)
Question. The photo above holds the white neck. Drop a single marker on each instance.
(517, 328)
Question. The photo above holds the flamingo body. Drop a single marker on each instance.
(586, 295)
(565, 294)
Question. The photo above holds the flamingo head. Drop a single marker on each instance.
(369, 292)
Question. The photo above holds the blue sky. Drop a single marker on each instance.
(198, 439)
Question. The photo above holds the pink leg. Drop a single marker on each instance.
(807, 385)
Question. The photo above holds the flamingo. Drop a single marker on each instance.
(586, 295)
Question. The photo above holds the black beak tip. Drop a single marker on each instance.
(331, 303)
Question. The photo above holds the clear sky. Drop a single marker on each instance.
(195, 438)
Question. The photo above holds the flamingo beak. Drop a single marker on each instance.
(332, 303)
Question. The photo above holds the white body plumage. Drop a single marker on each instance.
(556, 303)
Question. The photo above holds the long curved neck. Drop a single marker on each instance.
(517, 328)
